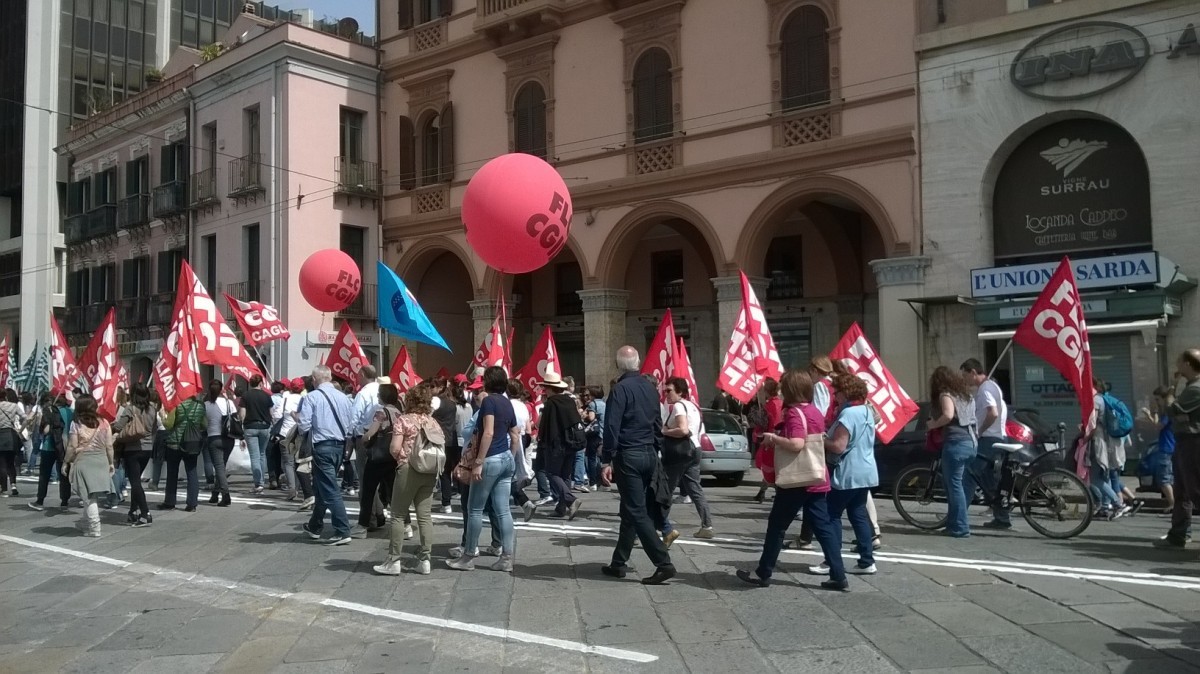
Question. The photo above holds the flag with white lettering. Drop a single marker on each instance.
(260, 322)
(492, 350)
(751, 356)
(683, 368)
(892, 403)
(63, 373)
(346, 357)
(543, 362)
(215, 342)
(402, 373)
(101, 373)
(6, 365)
(177, 370)
(660, 357)
(1055, 331)
(123, 377)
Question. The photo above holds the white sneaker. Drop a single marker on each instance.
(390, 567)
(493, 551)
(595, 487)
(408, 531)
(1123, 511)
(505, 564)
(528, 508)
(687, 500)
(423, 568)
(464, 563)
(821, 569)
(544, 501)
(860, 570)
(446, 510)
(456, 552)
(705, 532)
(387, 514)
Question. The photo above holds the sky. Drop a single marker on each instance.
(362, 10)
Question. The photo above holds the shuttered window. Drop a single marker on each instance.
(804, 52)
(652, 96)
(431, 154)
(529, 118)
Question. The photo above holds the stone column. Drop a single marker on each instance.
(729, 303)
(603, 332)
(483, 314)
(900, 331)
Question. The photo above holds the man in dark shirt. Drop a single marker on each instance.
(256, 423)
(632, 437)
(1185, 419)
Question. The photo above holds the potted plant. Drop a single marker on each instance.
(211, 51)
(153, 76)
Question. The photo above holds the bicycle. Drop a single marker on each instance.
(1047, 495)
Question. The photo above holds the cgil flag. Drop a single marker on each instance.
(401, 314)
(214, 341)
(260, 322)
(892, 403)
(542, 363)
(660, 357)
(402, 373)
(751, 356)
(683, 368)
(177, 370)
(346, 356)
(98, 367)
(63, 372)
(6, 362)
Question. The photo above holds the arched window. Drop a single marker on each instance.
(529, 120)
(804, 51)
(431, 151)
(652, 96)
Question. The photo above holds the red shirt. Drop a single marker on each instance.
(801, 420)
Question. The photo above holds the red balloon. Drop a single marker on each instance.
(517, 213)
(330, 280)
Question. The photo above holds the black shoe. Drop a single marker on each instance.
(613, 571)
(997, 524)
(753, 578)
(661, 575)
(164, 506)
(132, 517)
(224, 500)
(190, 509)
(839, 585)
(761, 495)
(216, 496)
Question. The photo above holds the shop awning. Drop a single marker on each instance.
(1093, 329)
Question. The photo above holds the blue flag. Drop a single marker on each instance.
(401, 314)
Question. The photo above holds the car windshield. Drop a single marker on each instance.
(720, 423)
(918, 422)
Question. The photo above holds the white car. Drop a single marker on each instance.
(725, 449)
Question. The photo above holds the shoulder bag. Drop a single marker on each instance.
(135, 428)
(379, 447)
(231, 425)
(462, 472)
(805, 468)
(677, 450)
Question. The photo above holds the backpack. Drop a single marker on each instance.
(428, 457)
(1118, 422)
(193, 437)
(135, 428)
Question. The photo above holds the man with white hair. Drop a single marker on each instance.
(328, 415)
(632, 439)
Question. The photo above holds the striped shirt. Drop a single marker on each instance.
(327, 413)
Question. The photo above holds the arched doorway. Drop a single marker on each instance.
(444, 286)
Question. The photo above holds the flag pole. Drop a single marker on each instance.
(1000, 358)
(261, 362)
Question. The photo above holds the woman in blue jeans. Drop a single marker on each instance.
(955, 409)
(492, 467)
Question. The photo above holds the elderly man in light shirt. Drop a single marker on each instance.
(328, 415)
(366, 401)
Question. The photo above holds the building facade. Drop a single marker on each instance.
(1061, 129)
(698, 137)
(243, 165)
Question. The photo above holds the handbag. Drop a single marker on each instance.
(379, 447)
(231, 426)
(135, 428)
(462, 472)
(805, 468)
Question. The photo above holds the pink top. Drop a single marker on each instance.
(795, 420)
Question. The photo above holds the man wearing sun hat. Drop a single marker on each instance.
(560, 436)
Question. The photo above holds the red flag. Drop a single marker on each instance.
(123, 377)
(544, 361)
(402, 373)
(492, 350)
(260, 322)
(63, 372)
(660, 357)
(346, 357)
(443, 373)
(893, 404)
(4, 361)
(751, 356)
(1055, 331)
(177, 370)
(215, 342)
(683, 368)
(101, 359)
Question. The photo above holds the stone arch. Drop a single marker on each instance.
(493, 278)
(760, 226)
(620, 242)
(415, 259)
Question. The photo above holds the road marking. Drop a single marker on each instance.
(308, 598)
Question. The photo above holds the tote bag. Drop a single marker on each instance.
(805, 468)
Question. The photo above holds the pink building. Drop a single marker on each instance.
(253, 160)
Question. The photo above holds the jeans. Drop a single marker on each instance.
(1114, 477)
(986, 467)
(494, 488)
(326, 457)
(349, 472)
(210, 463)
(464, 498)
(1102, 487)
(412, 488)
(34, 455)
(378, 476)
(580, 476)
(1187, 485)
(957, 454)
(135, 463)
(256, 444)
(593, 468)
(686, 476)
(46, 465)
(214, 452)
(853, 502)
(174, 457)
(787, 504)
(543, 484)
(633, 471)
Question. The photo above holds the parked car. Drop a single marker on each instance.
(725, 450)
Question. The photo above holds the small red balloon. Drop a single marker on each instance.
(330, 280)
(517, 213)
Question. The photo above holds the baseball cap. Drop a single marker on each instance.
(475, 385)
(460, 379)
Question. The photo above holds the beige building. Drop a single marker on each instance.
(697, 137)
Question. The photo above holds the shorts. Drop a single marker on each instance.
(1164, 473)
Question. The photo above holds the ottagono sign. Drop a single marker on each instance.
(1076, 185)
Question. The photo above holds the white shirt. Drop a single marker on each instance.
(291, 403)
(688, 410)
(521, 412)
(989, 395)
(822, 397)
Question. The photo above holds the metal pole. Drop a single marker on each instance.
(1000, 358)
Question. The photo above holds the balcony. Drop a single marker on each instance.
(71, 320)
(204, 187)
(245, 175)
(360, 178)
(75, 229)
(364, 306)
(134, 211)
(504, 18)
(246, 291)
(668, 295)
(131, 312)
(170, 199)
(159, 310)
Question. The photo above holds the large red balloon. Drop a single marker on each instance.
(330, 280)
(517, 213)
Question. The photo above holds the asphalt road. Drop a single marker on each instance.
(241, 589)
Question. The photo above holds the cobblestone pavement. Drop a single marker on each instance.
(241, 589)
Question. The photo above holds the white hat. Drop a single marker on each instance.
(552, 380)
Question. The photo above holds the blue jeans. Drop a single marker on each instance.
(853, 502)
(543, 484)
(1102, 487)
(982, 471)
(1114, 476)
(580, 469)
(784, 509)
(957, 454)
(494, 488)
(327, 495)
(256, 444)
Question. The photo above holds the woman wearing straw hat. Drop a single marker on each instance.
(560, 436)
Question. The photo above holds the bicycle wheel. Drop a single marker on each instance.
(1057, 504)
(920, 497)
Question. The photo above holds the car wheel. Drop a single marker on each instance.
(728, 479)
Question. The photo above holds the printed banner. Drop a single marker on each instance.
(893, 405)
(346, 357)
(259, 322)
(402, 373)
(543, 362)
